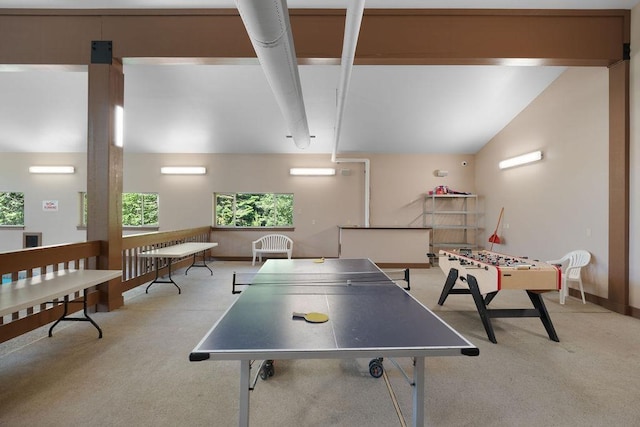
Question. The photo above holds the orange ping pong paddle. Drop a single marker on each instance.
(312, 317)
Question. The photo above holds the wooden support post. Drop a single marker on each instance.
(104, 166)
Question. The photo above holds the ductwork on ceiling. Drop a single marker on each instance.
(353, 20)
(268, 26)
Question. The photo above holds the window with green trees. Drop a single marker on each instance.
(11, 209)
(253, 209)
(138, 209)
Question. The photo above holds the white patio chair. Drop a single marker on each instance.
(571, 265)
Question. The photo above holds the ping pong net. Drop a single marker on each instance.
(315, 278)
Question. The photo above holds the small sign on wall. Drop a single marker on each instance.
(50, 205)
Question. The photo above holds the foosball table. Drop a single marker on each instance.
(484, 273)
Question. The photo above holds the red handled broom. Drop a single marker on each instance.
(494, 238)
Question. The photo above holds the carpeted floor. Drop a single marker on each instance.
(139, 373)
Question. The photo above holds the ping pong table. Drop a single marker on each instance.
(370, 316)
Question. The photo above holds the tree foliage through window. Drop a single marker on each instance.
(138, 209)
(11, 208)
(254, 210)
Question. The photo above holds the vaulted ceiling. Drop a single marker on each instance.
(229, 107)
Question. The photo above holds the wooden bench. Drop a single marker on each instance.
(49, 288)
(271, 244)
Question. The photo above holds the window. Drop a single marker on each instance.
(12, 209)
(138, 209)
(253, 210)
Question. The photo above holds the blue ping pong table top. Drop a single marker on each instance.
(369, 315)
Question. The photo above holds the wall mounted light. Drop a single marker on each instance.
(440, 173)
(312, 171)
(183, 170)
(52, 169)
(521, 160)
(119, 126)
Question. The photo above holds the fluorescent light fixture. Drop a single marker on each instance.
(312, 171)
(52, 169)
(119, 126)
(183, 170)
(521, 160)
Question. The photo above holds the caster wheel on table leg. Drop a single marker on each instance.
(267, 370)
(375, 368)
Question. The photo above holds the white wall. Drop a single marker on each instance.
(582, 138)
(320, 203)
(398, 184)
(560, 203)
(56, 227)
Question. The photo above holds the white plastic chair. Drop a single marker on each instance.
(270, 244)
(571, 265)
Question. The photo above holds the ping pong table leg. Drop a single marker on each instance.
(418, 392)
(245, 373)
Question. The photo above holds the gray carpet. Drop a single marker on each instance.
(139, 373)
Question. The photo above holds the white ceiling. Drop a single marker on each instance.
(229, 108)
(397, 109)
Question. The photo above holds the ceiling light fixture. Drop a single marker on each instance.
(183, 170)
(534, 156)
(52, 169)
(312, 171)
